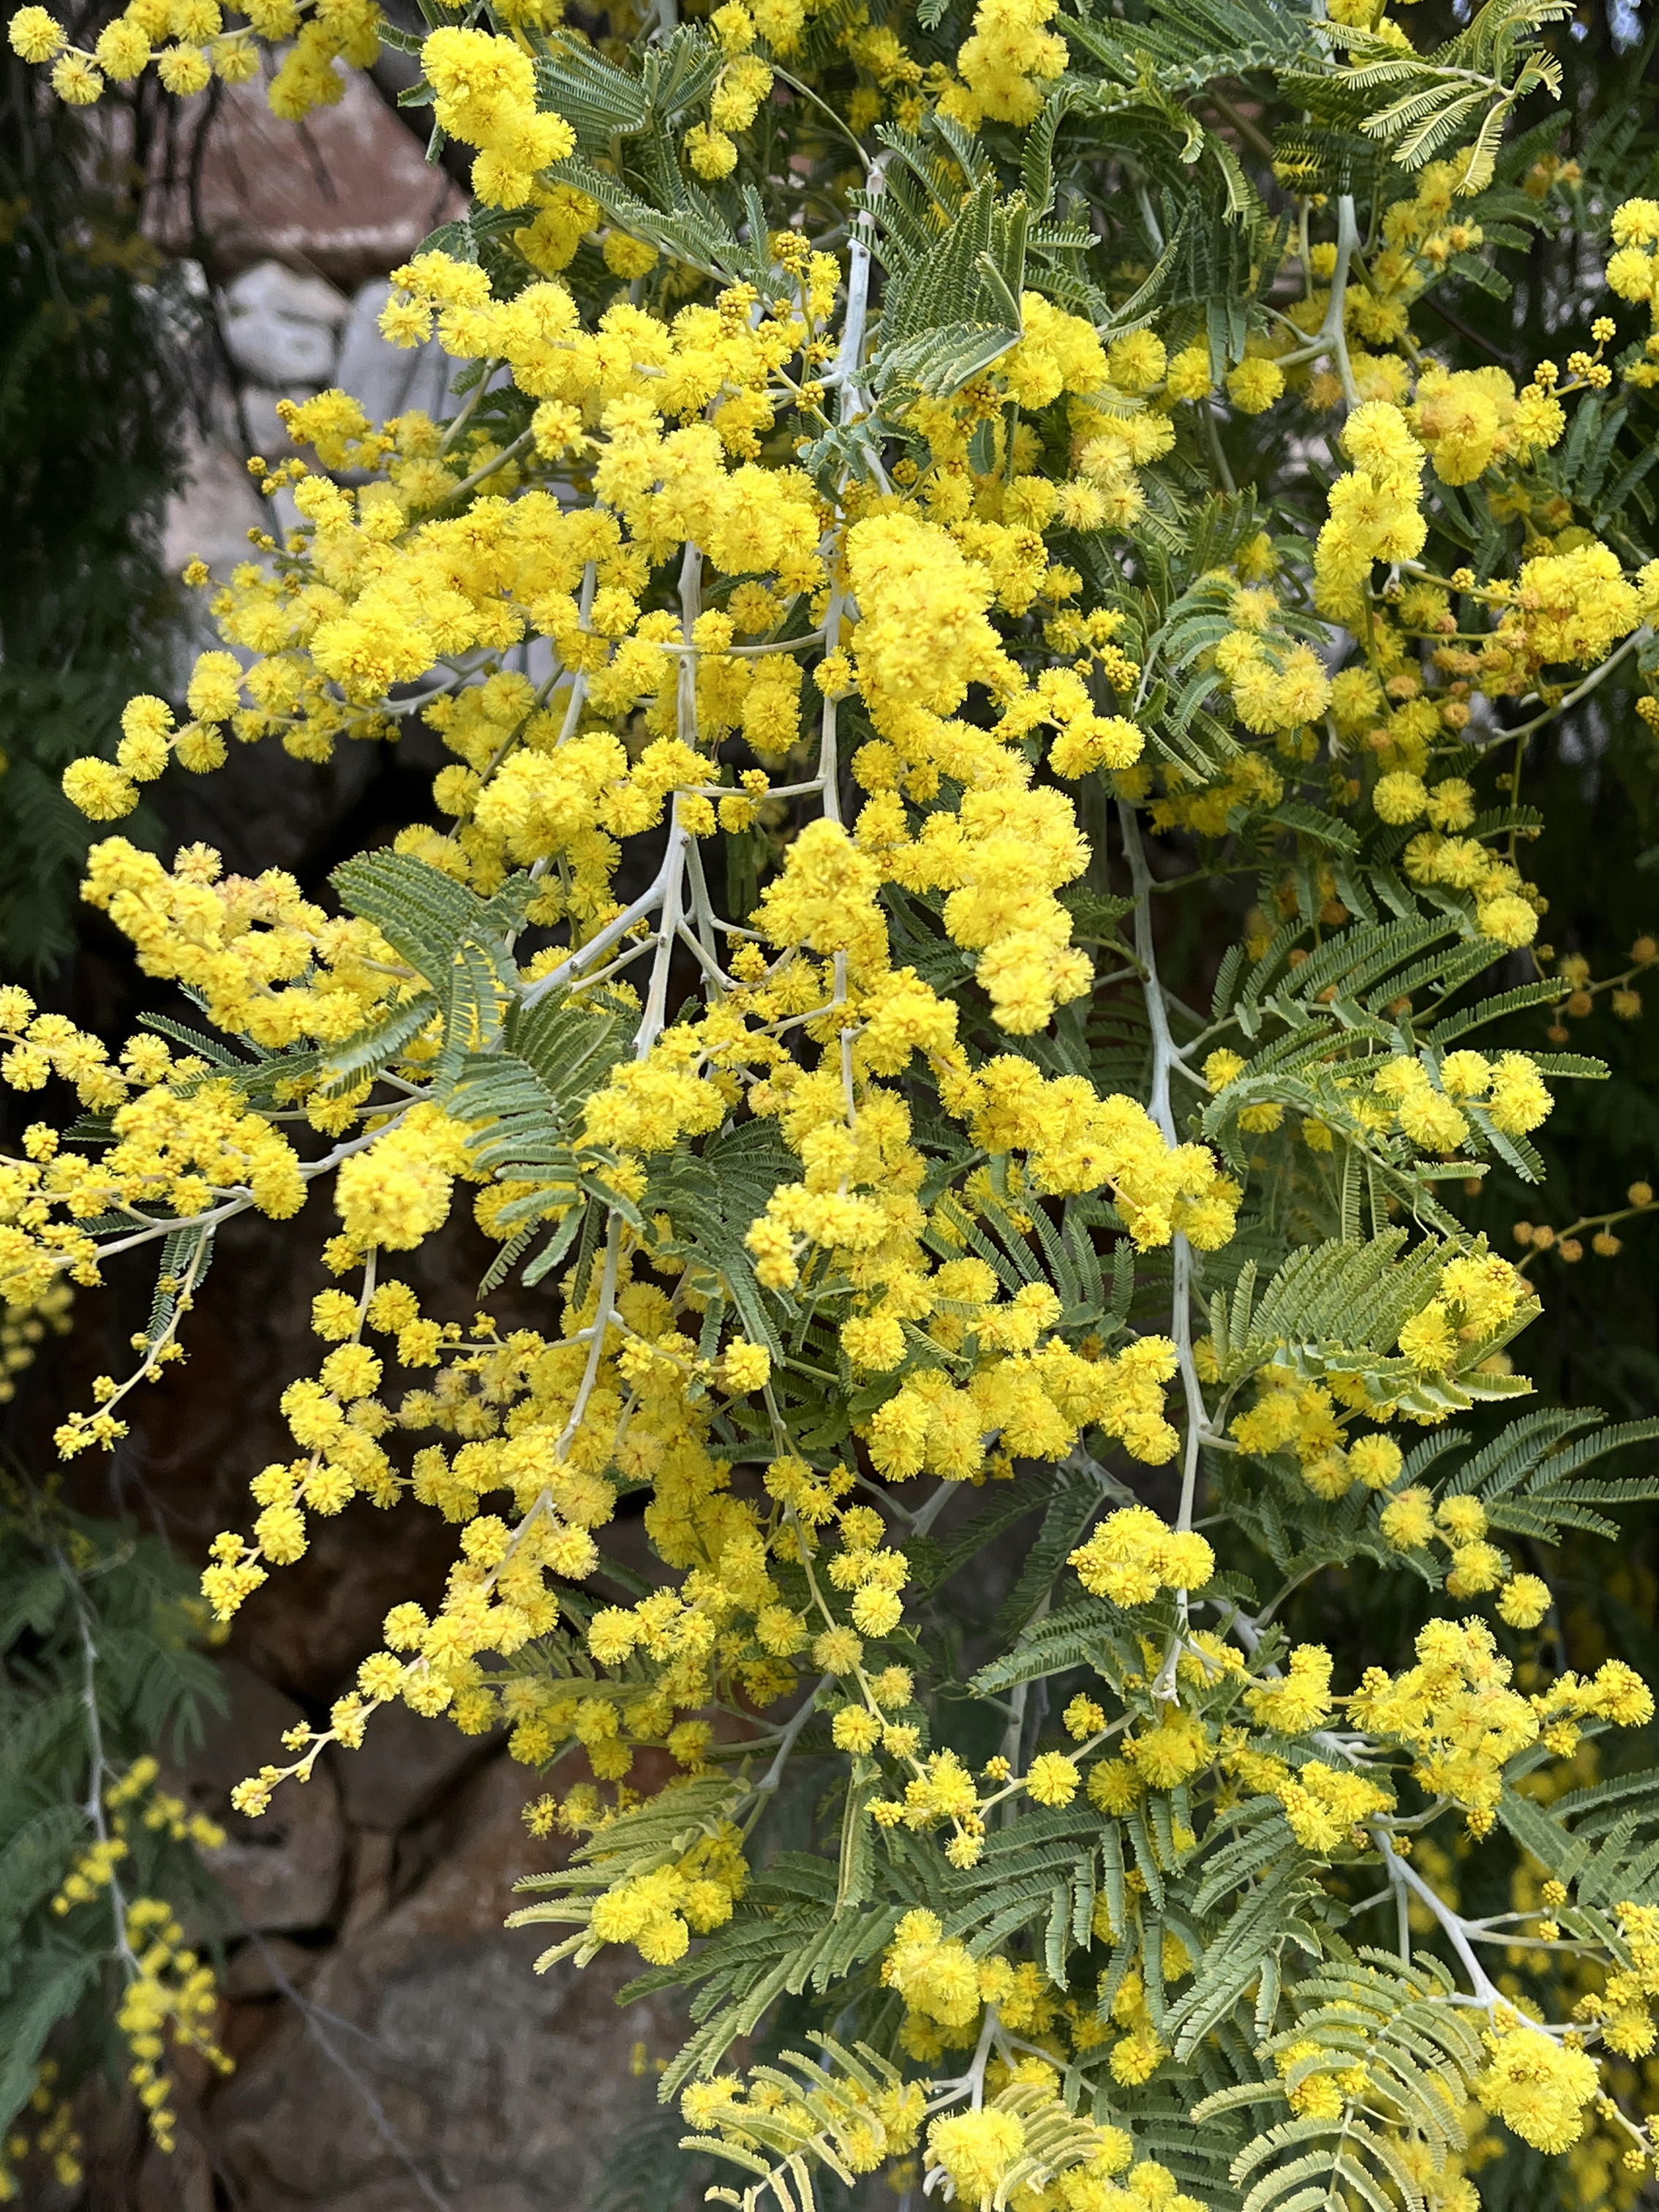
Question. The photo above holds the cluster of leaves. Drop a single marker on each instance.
(101, 1668)
(98, 333)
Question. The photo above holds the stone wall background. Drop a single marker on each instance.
(395, 2052)
(294, 228)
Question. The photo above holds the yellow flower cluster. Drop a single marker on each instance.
(1325, 1806)
(1624, 2007)
(1467, 419)
(485, 88)
(267, 964)
(871, 2122)
(1006, 62)
(1375, 510)
(658, 1912)
(1633, 266)
(24, 1326)
(56, 2137)
(1310, 1404)
(171, 1996)
(994, 2154)
(1132, 1555)
(1536, 2085)
(190, 44)
(1457, 1713)
(1479, 1298)
(93, 1868)
(938, 1979)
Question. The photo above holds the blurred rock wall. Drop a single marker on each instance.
(296, 226)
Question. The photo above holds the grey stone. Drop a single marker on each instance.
(428, 2042)
(212, 515)
(389, 380)
(281, 1870)
(281, 328)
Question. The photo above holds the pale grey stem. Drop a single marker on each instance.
(309, 1169)
(1013, 1735)
(94, 1807)
(703, 908)
(1332, 336)
(601, 942)
(748, 651)
(829, 775)
(923, 1519)
(469, 408)
(521, 444)
(1637, 639)
(971, 2084)
(845, 368)
(655, 1016)
(1404, 1876)
(774, 1773)
(596, 1349)
(1163, 1055)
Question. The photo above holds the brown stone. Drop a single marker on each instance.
(403, 1766)
(179, 2180)
(345, 194)
(500, 2089)
(268, 1966)
(281, 1870)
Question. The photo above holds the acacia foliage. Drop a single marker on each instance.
(101, 1670)
(94, 405)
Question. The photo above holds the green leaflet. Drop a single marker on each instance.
(824, 2104)
(1076, 1497)
(951, 311)
(461, 944)
(941, 361)
(1526, 1477)
(1072, 1636)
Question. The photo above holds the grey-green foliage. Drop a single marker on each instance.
(94, 415)
(100, 1664)
(1420, 2055)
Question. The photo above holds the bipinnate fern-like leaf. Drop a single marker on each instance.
(1416, 2055)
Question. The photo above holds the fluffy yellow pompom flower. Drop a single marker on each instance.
(1052, 1780)
(1525, 1601)
(99, 789)
(1538, 2087)
(1255, 385)
(976, 2150)
(399, 1191)
(1132, 1555)
(35, 36)
(1407, 1521)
